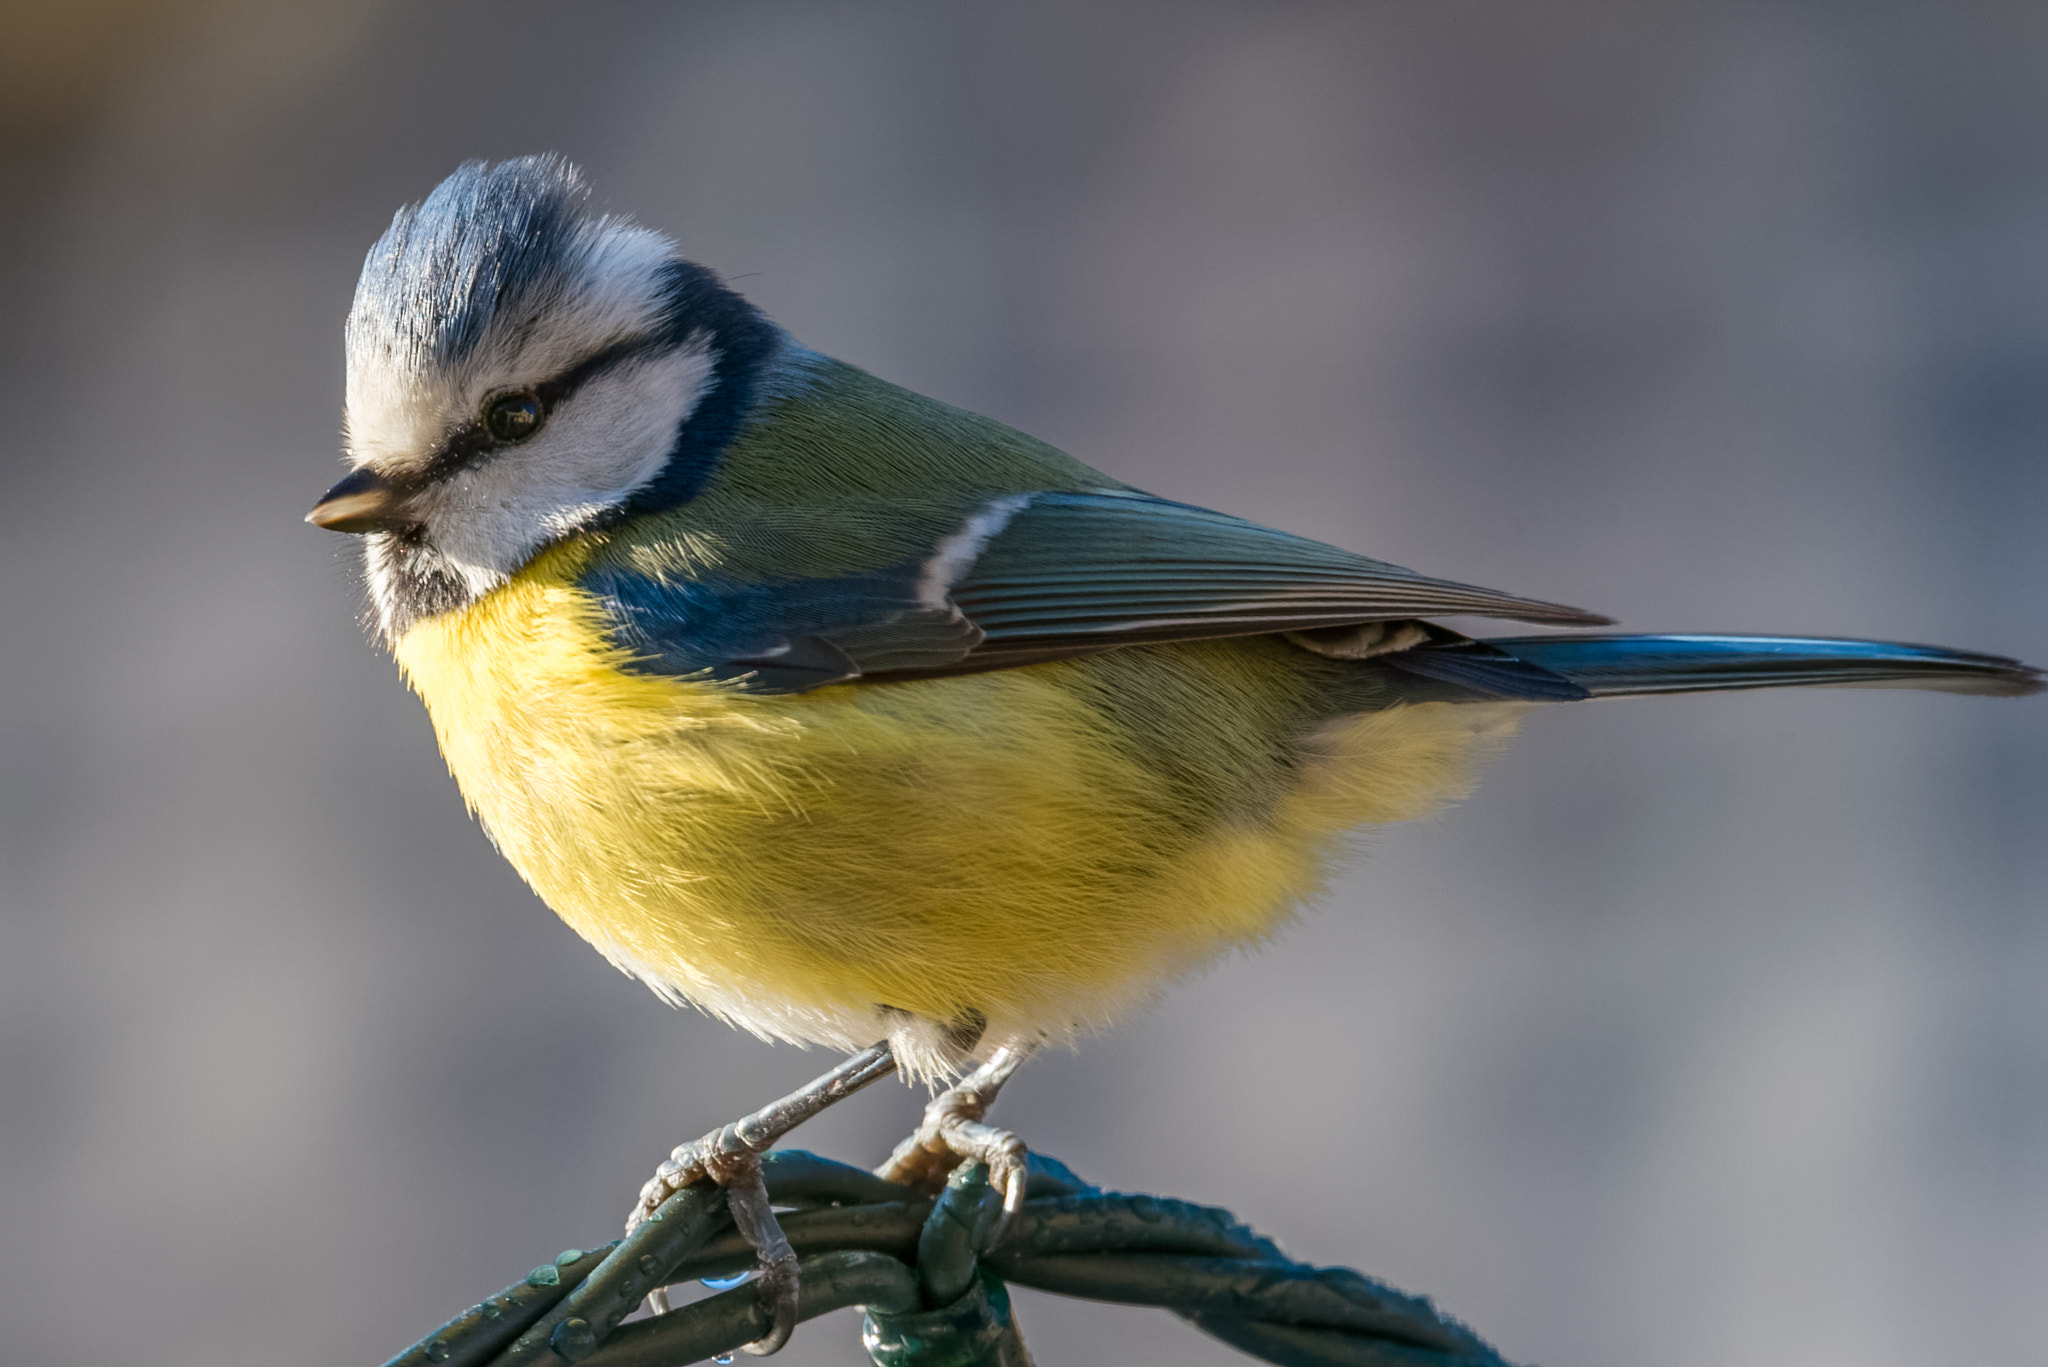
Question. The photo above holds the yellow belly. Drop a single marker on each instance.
(994, 843)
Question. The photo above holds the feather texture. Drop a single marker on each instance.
(1621, 666)
(1044, 846)
(988, 575)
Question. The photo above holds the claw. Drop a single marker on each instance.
(778, 1283)
(952, 1132)
(731, 1157)
(687, 1164)
(747, 1198)
(1013, 1194)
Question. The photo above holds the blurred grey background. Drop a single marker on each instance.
(1711, 1031)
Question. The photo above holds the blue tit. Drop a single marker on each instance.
(844, 714)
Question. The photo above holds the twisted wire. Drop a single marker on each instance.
(862, 1240)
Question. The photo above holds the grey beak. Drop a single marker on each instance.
(363, 502)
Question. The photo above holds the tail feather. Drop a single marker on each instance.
(1621, 666)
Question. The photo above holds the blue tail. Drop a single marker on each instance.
(1620, 666)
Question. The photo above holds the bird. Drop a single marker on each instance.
(848, 716)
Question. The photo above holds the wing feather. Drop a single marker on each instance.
(1125, 567)
(1025, 579)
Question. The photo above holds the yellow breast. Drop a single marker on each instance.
(999, 843)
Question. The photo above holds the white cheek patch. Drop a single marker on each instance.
(608, 440)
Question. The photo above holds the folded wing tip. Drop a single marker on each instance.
(2020, 679)
(1559, 614)
(1618, 665)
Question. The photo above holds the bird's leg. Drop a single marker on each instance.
(731, 1157)
(952, 1132)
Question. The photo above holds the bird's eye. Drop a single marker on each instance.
(513, 417)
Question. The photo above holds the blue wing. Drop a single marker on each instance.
(1023, 579)
(1624, 666)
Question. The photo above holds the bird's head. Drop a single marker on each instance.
(520, 370)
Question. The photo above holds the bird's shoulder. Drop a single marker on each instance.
(839, 470)
(824, 429)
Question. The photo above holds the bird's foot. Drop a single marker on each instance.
(953, 1132)
(731, 1157)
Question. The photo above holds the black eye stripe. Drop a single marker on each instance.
(552, 392)
(472, 443)
(460, 449)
